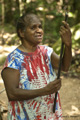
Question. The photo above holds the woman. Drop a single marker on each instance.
(28, 73)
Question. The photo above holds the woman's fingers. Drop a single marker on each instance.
(66, 25)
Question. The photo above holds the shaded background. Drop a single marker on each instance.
(51, 13)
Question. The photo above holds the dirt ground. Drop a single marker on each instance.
(69, 95)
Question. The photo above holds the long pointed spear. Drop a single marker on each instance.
(60, 63)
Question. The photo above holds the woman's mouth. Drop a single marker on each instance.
(39, 36)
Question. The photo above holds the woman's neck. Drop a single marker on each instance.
(26, 47)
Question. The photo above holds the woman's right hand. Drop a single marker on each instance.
(52, 87)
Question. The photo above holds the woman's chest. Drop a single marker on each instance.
(35, 71)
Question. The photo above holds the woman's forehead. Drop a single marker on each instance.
(32, 20)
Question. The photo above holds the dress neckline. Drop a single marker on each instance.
(30, 53)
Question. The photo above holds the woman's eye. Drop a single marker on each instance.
(40, 26)
(33, 27)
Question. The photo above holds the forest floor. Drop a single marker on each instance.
(69, 94)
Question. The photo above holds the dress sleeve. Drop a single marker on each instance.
(49, 51)
(11, 63)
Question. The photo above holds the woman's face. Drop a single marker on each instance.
(33, 32)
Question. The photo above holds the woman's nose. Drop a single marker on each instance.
(39, 29)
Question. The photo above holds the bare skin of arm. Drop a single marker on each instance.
(67, 57)
(11, 81)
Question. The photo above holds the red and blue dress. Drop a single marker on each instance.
(35, 72)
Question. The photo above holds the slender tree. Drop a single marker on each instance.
(8, 11)
(2, 12)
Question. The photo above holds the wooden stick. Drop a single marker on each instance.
(60, 63)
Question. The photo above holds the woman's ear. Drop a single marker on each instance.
(21, 32)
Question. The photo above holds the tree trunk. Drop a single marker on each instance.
(21, 7)
(2, 12)
(17, 6)
(8, 11)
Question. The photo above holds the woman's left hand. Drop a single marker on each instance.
(65, 33)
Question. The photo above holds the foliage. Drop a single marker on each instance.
(8, 35)
(2, 60)
(51, 13)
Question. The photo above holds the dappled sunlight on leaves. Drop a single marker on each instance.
(4, 51)
(77, 35)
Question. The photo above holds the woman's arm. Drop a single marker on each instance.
(67, 57)
(11, 79)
